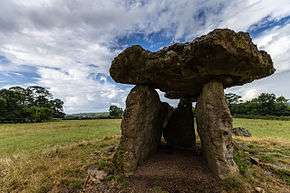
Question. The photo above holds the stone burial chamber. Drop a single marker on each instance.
(196, 71)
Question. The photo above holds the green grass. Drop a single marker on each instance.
(25, 138)
(55, 156)
(270, 145)
(266, 129)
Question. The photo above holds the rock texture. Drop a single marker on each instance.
(179, 131)
(240, 131)
(214, 123)
(198, 70)
(141, 129)
(167, 112)
(180, 70)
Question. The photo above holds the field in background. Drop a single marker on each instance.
(33, 137)
(264, 158)
(276, 130)
(55, 156)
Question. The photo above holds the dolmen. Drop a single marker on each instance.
(196, 71)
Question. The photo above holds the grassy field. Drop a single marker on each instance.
(52, 156)
(274, 130)
(55, 156)
(270, 146)
(26, 138)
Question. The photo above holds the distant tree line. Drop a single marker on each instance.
(85, 116)
(31, 104)
(115, 112)
(264, 104)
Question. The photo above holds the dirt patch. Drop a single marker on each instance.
(174, 171)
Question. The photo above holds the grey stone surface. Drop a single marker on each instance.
(195, 71)
(180, 70)
(240, 131)
(214, 123)
(141, 129)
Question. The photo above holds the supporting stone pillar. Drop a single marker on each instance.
(179, 131)
(141, 129)
(214, 124)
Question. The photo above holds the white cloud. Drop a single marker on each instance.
(60, 39)
(249, 94)
(277, 84)
(77, 90)
(277, 43)
(241, 14)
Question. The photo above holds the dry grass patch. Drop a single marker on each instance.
(264, 163)
(52, 157)
(62, 169)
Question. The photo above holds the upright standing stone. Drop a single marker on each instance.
(186, 70)
(179, 131)
(167, 112)
(214, 124)
(141, 129)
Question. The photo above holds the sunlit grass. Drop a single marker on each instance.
(266, 129)
(55, 156)
(23, 138)
(50, 156)
(270, 144)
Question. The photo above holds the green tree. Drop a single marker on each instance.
(266, 104)
(39, 96)
(232, 98)
(39, 114)
(3, 109)
(281, 106)
(34, 103)
(115, 111)
(233, 101)
(57, 107)
(13, 105)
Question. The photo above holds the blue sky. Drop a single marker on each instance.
(67, 46)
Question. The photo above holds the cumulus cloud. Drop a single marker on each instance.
(241, 14)
(277, 42)
(64, 44)
(77, 90)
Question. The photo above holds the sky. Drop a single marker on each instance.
(67, 46)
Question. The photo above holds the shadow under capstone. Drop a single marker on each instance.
(197, 71)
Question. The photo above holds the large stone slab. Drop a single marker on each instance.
(214, 123)
(141, 129)
(180, 70)
(179, 132)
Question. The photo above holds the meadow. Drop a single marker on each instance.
(55, 156)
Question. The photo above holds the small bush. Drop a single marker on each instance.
(102, 164)
(242, 160)
(233, 183)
